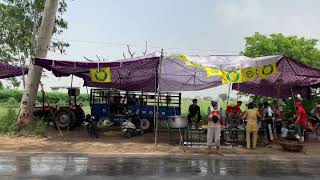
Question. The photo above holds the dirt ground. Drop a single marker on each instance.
(111, 142)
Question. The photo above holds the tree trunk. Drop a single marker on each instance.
(34, 74)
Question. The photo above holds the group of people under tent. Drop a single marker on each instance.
(255, 117)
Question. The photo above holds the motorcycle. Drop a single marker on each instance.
(131, 126)
(91, 125)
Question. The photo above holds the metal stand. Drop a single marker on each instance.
(201, 135)
(181, 135)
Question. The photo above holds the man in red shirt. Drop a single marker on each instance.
(301, 120)
(234, 112)
(234, 109)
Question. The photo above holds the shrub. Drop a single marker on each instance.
(6, 94)
(8, 126)
(36, 128)
(11, 103)
(54, 98)
(41, 128)
(8, 122)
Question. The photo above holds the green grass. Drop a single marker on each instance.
(4, 110)
(86, 109)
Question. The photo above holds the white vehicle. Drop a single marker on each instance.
(129, 127)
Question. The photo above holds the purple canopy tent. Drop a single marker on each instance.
(151, 73)
(293, 77)
(137, 74)
(7, 71)
(155, 72)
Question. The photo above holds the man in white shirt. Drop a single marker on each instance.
(215, 119)
(268, 118)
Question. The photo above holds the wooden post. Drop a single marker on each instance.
(229, 94)
(158, 96)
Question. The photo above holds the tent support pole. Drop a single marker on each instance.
(294, 102)
(238, 92)
(278, 94)
(155, 106)
(158, 98)
(229, 94)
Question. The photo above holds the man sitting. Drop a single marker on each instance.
(234, 112)
(194, 113)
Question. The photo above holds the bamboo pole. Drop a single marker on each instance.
(229, 94)
(158, 98)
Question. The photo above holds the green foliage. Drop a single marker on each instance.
(8, 125)
(41, 128)
(15, 32)
(1, 85)
(294, 47)
(12, 97)
(8, 122)
(20, 23)
(15, 83)
(11, 103)
(37, 128)
(207, 98)
(223, 97)
(6, 94)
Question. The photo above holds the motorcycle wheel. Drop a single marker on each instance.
(89, 130)
(129, 133)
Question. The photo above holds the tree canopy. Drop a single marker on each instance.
(294, 47)
(19, 25)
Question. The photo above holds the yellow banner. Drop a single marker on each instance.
(267, 70)
(185, 59)
(212, 72)
(231, 77)
(102, 75)
(249, 74)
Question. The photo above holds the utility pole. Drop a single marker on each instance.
(34, 74)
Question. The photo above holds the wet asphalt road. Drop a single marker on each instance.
(63, 166)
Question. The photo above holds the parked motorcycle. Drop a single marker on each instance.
(132, 126)
(91, 125)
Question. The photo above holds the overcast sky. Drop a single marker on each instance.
(103, 27)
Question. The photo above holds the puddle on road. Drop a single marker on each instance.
(154, 166)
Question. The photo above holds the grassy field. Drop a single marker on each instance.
(4, 109)
(204, 104)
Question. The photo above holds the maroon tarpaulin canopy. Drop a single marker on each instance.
(137, 74)
(7, 71)
(293, 77)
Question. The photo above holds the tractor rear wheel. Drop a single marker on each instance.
(80, 115)
(64, 118)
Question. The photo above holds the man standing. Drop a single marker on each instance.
(301, 120)
(268, 117)
(215, 119)
(194, 112)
